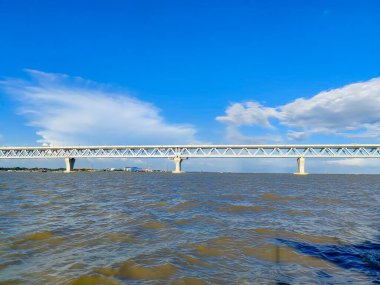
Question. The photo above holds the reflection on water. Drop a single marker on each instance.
(148, 228)
(364, 257)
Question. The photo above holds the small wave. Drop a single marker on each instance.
(208, 251)
(310, 238)
(39, 235)
(154, 225)
(132, 270)
(275, 253)
(189, 281)
(240, 208)
(298, 213)
(94, 280)
(275, 197)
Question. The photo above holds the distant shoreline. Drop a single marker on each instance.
(108, 170)
(37, 169)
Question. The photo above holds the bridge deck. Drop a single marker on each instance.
(194, 151)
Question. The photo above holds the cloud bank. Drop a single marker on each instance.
(70, 110)
(352, 111)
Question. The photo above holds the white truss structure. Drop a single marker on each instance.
(194, 151)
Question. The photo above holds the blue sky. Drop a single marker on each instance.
(145, 72)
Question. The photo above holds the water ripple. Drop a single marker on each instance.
(123, 228)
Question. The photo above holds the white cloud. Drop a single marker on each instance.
(68, 110)
(248, 113)
(352, 111)
(345, 109)
(297, 136)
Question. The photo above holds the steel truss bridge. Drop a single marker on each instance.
(181, 152)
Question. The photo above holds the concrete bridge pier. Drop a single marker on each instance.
(69, 164)
(301, 166)
(178, 164)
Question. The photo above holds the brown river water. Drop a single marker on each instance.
(195, 228)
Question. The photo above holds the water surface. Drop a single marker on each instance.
(152, 228)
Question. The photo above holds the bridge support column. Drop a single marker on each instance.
(69, 164)
(178, 164)
(301, 166)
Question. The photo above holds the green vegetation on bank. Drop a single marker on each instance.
(33, 169)
(38, 169)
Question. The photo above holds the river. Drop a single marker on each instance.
(193, 228)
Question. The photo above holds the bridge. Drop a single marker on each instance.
(178, 153)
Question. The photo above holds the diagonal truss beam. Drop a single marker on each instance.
(194, 151)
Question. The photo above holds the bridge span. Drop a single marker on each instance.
(178, 153)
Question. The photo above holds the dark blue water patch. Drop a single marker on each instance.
(363, 257)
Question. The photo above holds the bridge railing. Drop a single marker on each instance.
(206, 151)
